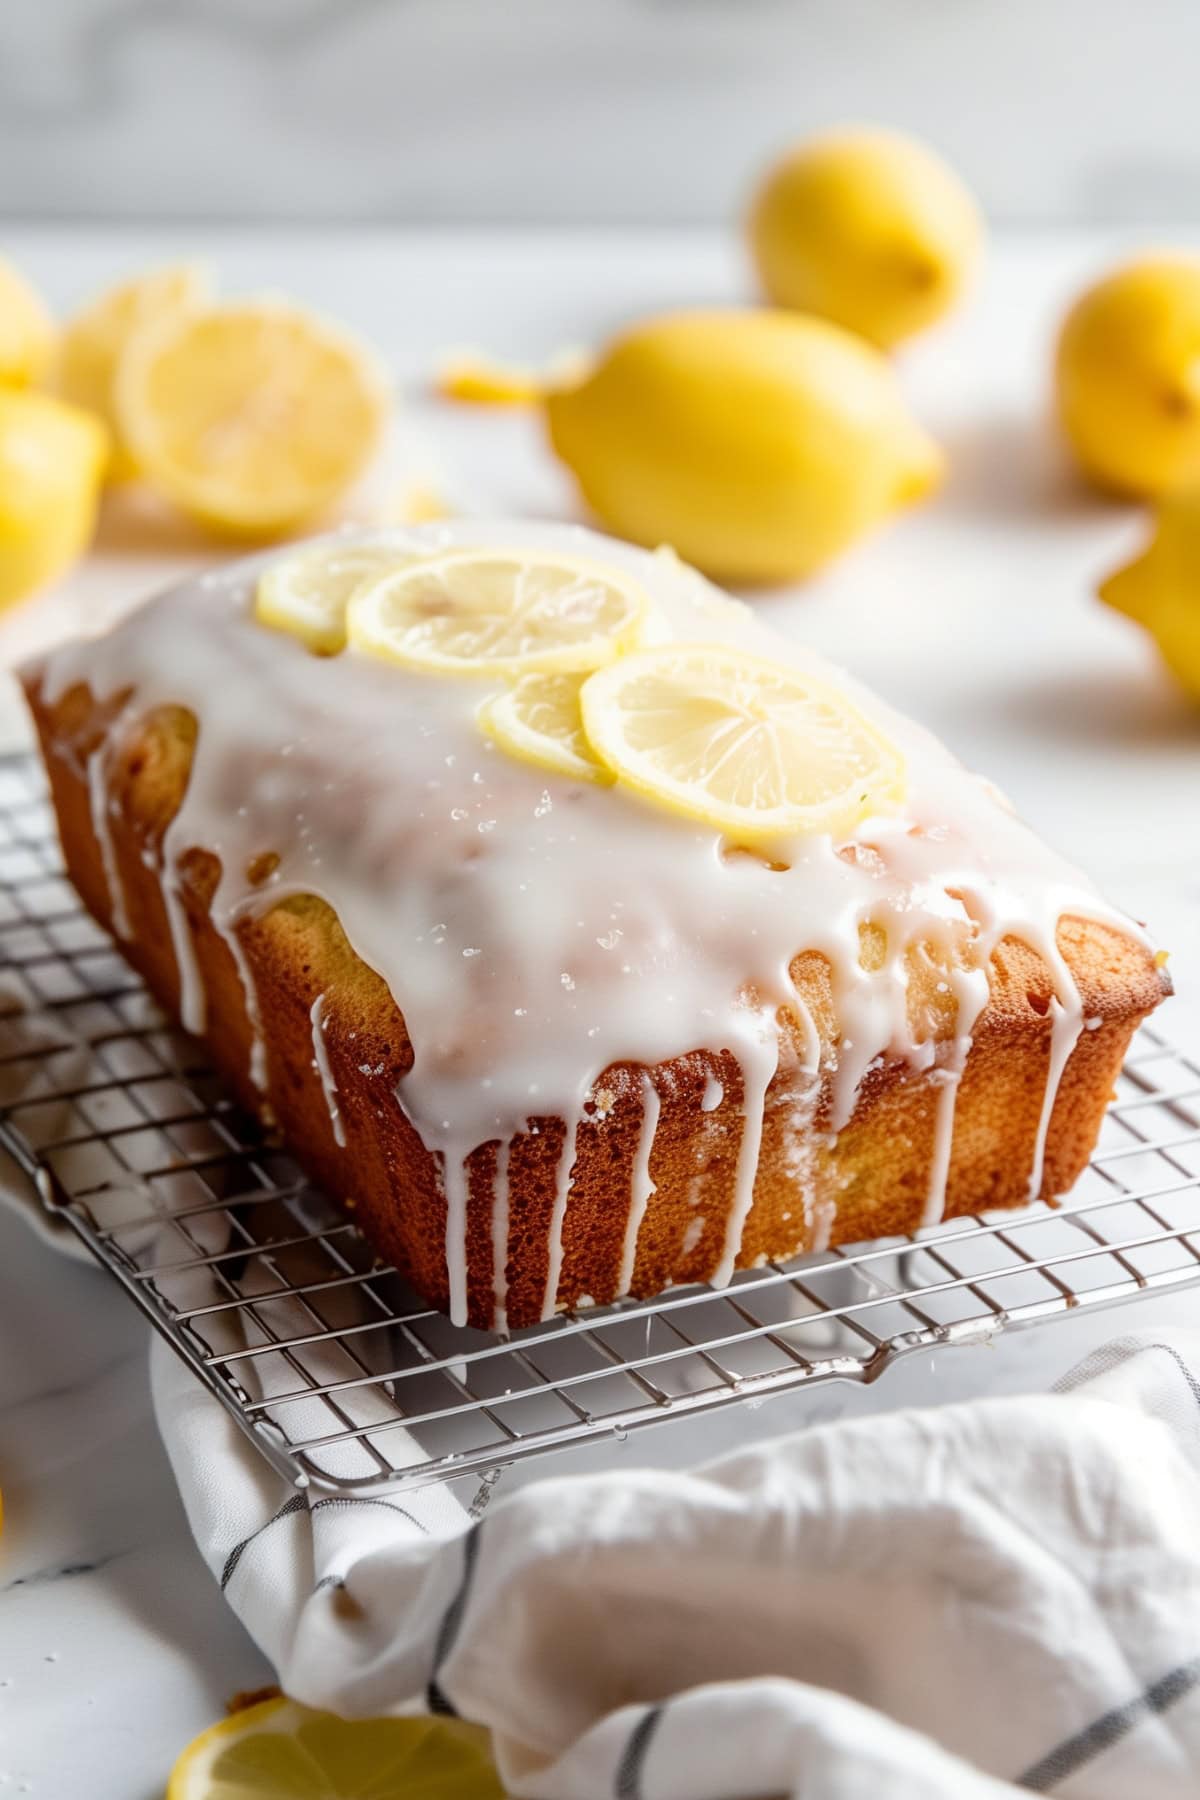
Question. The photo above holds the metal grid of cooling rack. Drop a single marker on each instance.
(344, 1378)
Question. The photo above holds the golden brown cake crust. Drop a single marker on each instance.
(871, 1181)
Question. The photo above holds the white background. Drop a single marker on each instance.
(569, 110)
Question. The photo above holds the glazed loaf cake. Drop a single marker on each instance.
(550, 1044)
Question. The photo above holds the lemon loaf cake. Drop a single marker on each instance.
(578, 932)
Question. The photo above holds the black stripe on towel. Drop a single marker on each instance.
(297, 1503)
(627, 1783)
(452, 1618)
(1086, 1745)
(369, 1500)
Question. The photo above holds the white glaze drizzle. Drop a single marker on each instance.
(324, 1070)
(470, 881)
(1067, 1025)
(193, 1004)
(713, 1095)
(455, 1188)
(257, 1065)
(971, 990)
(98, 797)
(641, 1184)
(500, 1239)
(562, 1190)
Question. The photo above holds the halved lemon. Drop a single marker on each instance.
(307, 594)
(538, 720)
(280, 1750)
(96, 339)
(751, 747)
(251, 417)
(498, 612)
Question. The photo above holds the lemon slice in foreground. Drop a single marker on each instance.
(282, 1751)
(538, 720)
(751, 747)
(498, 612)
(307, 594)
(251, 417)
(96, 339)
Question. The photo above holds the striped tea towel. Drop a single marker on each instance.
(984, 1600)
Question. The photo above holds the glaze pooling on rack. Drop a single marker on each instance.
(469, 881)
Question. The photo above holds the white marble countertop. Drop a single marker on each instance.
(976, 614)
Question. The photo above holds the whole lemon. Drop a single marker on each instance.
(757, 444)
(868, 228)
(1128, 376)
(1160, 589)
(26, 331)
(52, 460)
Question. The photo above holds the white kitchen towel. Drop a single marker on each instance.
(970, 1602)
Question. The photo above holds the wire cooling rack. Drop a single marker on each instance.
(333, 1366)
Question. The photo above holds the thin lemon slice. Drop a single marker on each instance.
(307, 594)
(95, 340)
(538, 720)
(498, 612)
(754, 748)
(282, 1751)
(251, 417)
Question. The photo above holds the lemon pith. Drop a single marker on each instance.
(280, 1750)
(750, 747)
(307, 594)
(538, 721)
(252, 417)
(498, 612)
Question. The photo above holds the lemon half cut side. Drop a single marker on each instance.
(751, 747)
(280, 1750)
(538, 721)
(307, 594)
(253, 417)
(499, 612)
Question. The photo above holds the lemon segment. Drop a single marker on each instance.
(96, 339)
(26, 331)
(307, 594)
(52, 460)
(280, 1750)
(496, 612)
(478, 380)
(750, 747)
(252, 418)
(538, 720)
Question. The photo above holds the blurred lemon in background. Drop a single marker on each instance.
(1161, 588)
(1128, 376)
(52, 459)
(26, 331)
(756, 443)
(96, 339)
(866, 227)
(252, 417)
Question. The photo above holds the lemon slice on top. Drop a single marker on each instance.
(251, 417)
(307, 594)
(499, 612)
(751, 747)
(280, 1750)
(538, 720)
